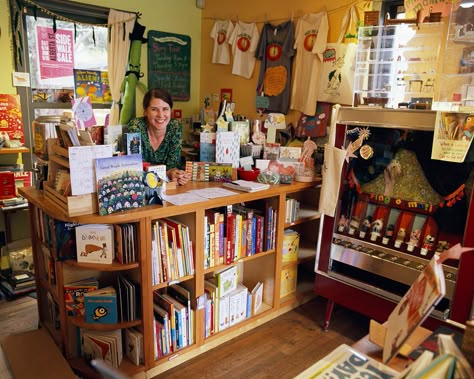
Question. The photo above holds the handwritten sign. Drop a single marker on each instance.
(82, 163)
(169, 63)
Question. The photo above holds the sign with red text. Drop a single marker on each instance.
(55, 52)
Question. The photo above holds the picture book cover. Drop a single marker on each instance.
(11, 121)
(74, 295)
(106, 345)
(119, 183)
(220, 172)
(291, 240)
(228, 148)
(92, 83)
(226, 280)
(134, 346)
(428, 289)
(207, 147)
(100, 306)
(132, 143)
(65, 238)
(95, 243)
(346, 362)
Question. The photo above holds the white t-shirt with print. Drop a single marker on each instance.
(220, 32)
(244, 41)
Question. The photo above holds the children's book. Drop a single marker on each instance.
(132, 143)
(134, 346)
(65, 238)
(106, 345)
(113, 135)
(95, 243)
(228, 148)
(11, 120)
(226, 280)
(101, 306)
(291, 240)
(74, 295)
(207, 147)
(257, 297)
(120, 183)
(428, 289)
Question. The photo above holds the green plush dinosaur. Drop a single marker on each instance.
(133, 75)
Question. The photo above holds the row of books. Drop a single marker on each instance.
(237, 231)
(172, 251)
(107, 305)
(292, 209)
(209, 171)
(174, 319)
(17, 283)
(228, 302)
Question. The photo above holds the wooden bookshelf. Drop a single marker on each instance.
(264, 267)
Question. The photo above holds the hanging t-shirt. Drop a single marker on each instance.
(220, 32)
(310, 42)
(244, 40)
(275, 50)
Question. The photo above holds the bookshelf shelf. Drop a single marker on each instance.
(264, 266)
(13, 150)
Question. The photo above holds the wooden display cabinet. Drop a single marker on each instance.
(370, 275)
(265, 267)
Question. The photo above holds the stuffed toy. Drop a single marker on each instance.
(133, 75)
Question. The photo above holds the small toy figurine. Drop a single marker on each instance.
(442, 245)
(353, 225)
(400, 237)
(377, 227)
(341, 225)
(428, 243)
(365, 226)
(388, 234)
(414, 239)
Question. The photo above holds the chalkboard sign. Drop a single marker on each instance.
(169, 63)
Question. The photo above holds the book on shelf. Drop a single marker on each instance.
(345, 361)
(226, 280)
(21, 279)
(74, 295)
(106, 345)
(113, 135)
(126, 170)
(100, 306)
(128, 299)
(415, 306)
(288, 280)
(11, 118)
(126, 243)
(257, 298)
(246, 185)
(237, 304)
(95, 243)
(62, 182)
(165, 341)
(134, 346)
(65, 239)
(291, 241)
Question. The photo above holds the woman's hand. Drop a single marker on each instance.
(179, 176)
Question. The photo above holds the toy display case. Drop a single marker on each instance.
(397, 207)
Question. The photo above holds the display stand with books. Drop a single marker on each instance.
(165, 259)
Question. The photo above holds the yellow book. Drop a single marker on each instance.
(291, 242)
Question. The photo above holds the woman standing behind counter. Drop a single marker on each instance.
(160, 134)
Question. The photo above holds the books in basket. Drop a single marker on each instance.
(101, 306)
(346, 362)
(95, 243)
(246, 185)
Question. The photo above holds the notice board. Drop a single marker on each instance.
(169, 63)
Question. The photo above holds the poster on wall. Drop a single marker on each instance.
(453, 136)
(169, 63)
(55, 52)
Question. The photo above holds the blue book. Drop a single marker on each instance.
(133, 143)
(101, 306)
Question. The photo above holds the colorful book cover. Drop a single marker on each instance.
(92, 83)
(288, 280)
(207, 147)
(119, 183)
(133, 143)
(100, 306)
(11, 121)
(95, 243)
(228, 148)
(226, 280)
(65, 238)
(74, 295)
(291, 241)
(220, 172)
(243, 129)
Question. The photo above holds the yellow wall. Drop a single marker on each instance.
(215, 76)
(6, 63)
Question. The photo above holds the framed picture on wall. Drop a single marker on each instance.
(226, 94)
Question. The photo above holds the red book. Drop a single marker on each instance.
(230, 236)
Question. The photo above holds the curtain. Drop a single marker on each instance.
(118, 49)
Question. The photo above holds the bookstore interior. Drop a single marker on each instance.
(164, 221)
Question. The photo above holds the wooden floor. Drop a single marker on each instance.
(280, 348)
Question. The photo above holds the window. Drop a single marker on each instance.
(54, 37)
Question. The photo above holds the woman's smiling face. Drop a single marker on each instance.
(158, 114)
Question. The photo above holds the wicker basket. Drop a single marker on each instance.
(251, 149)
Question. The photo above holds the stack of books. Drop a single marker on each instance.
(17, 283)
